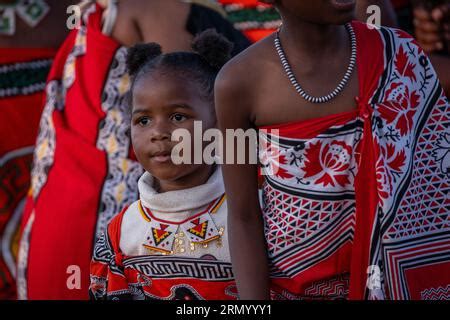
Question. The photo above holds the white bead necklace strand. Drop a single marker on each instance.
(296, 85)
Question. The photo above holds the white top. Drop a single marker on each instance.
(186, 223)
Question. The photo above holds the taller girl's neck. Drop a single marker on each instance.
(313, 41)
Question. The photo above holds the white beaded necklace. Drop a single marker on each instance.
(299, 89)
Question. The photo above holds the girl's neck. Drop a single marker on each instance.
(312, 41)
(192, 180)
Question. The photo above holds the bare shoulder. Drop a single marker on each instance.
(247, 69)
(150, 21)
(155, 8)
(162, 21)
(237, 87)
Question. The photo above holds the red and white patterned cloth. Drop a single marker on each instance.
(84, 168)
(167, 246)
(358, 206)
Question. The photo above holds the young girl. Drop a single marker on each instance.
(357, 206)
(172, 242)
(84, 170)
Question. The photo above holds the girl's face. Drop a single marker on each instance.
(317, 11)
(162, 103)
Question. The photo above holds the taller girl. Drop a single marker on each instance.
(357, 205)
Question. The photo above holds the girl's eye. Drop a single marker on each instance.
(143, 121)
(178, 117)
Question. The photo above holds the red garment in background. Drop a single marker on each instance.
(22, 79)
(81, 157)
(255, 19)
(84, 169)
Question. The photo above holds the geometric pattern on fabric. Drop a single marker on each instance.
(426, 204)
(78, 50)
(22, 259)
(308, 197)
(302, 232)
(104, 252)
(401, 257)
(411, 121)
(176, 267)
(120, 187)
(251, 17)
(334, 288)
(439, 293)
(46, 141)
(177, 292)
(55, 99)
(115, 276)
(23, 78)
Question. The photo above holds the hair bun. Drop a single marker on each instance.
(213, 47)
(139, 54)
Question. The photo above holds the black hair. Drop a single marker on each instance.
(210, 52)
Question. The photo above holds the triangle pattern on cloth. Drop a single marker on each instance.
(199, 229)
(159, 235)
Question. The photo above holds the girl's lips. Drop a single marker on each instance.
(344, 4)
(161, 158)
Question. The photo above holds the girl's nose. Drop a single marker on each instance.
(161, 131)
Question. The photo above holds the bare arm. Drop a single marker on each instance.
(388, 17)
(245, 225)
(161, 21)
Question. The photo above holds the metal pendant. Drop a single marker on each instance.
(32, 11)
(7, 21)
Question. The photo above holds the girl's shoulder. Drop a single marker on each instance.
(244, 72)
(114, 228)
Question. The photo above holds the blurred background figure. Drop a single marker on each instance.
(84, 169)
(257, 20)
(431, 25)
(403, 11)
(428, 22)
(30, 33)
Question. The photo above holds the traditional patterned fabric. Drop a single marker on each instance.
(256, 19)
(309, 204)
(364, 193)
(180, 253)
(84, 169)
(83, 172)
(23, 73)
